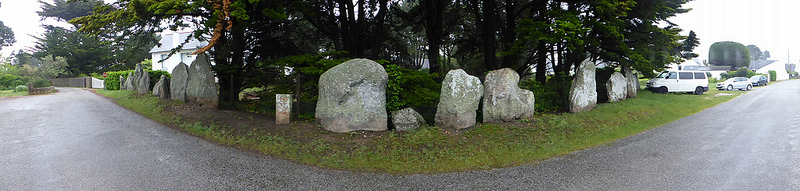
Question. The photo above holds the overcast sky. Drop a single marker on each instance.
(769, 24)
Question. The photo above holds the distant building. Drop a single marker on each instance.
(169, 40)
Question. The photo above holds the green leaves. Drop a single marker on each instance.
(6, 36)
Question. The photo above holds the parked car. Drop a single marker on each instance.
(740, 83)
(759, 80)
(679, 81)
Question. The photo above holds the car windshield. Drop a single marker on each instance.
(663, 75)
(754, 78)
(730, 80)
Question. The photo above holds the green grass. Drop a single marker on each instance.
(9, 93)
(435, 150)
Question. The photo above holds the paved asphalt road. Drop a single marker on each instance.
(75, 140)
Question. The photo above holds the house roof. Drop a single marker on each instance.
(758, 64)
(168, 43)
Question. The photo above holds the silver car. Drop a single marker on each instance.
(740, 83)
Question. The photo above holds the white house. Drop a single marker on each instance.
(779, 66)
(169, 40)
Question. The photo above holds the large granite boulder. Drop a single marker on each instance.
(459, 99)
(143, 83)
(161, 89)
(633, 81)
(138, 73)
(352, 97)
(617, 87)
(407, 119)
(129, 82)
(583, 93)
(121, 82)
(503, 100)
(202, 86)
(177, 86)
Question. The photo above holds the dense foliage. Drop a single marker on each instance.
(729, 53)
(414, 89)
(251, 41)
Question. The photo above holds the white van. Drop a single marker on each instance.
(679, 81)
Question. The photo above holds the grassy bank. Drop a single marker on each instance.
(434, 150)
(9, 93)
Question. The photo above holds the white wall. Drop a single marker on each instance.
(779, 67)
(169, 64)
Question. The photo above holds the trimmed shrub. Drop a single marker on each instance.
(773, 75)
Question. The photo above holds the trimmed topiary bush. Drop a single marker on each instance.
(773, 75)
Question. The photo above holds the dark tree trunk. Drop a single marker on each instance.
(488, 34)
(434, 10)
(509, 35)
(541, 63)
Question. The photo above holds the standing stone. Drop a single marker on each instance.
(407, 119)
(283, 108)
(202, 88)
(583, 93)
(352, 97)
(137, 76)
(617, 87)
(504, 101)
(143, 83)
(633, 82)
(121, 82)
(460, 96)
(129, 82)
(161, 89)
(177, 86)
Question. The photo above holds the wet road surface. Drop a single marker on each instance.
(76, 140)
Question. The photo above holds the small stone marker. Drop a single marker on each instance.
(283, 108)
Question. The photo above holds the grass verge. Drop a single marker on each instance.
(9, 93)
(434, 150)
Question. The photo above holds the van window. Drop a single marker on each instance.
(672, 75)
(685, 75)
(699, 75)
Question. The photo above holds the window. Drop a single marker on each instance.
(185, 57)
(163, 60)
(699, 75)
(686, 75)
(672, 75)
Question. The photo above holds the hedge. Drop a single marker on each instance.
(112, 81)
(773, 76)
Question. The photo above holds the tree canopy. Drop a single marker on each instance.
(6, 36)
(250, 39)
(729, 53)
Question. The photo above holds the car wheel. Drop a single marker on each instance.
(749, 87)
(698, 91)
(663, 90)
(730, 88)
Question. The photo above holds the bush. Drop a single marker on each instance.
(112, 81)
(40, 83)
(9, 81)
(549, 97)
(412, 88)
(773, 75)
(21, 88)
